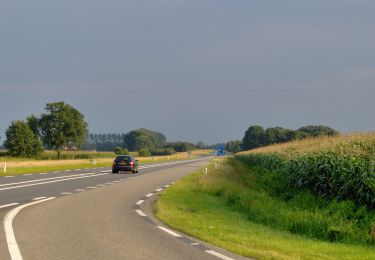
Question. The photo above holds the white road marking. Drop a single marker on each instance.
(39, 198)
(100, 185)
(194, 244)
(159, 190)
(56, 172)
(140, 213)
(117, 181)
(27, 174)
(149, 195)
(78, 169)
(8, 205)
(79, 190)
(166, 186)
(221, 256)
(66, 193)
(41, 183)
(43, 173)
(139, 202)
(91, 187)
(13, 248)
(9, 176)
(106, 171)
(67, 170)
(109, 183)
(45, 179)
(170, 232)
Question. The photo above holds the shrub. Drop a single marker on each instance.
(144, 152)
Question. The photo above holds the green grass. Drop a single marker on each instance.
(222, 208)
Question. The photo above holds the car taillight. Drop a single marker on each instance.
(131, 163)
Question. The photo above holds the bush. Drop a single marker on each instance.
(144, 152)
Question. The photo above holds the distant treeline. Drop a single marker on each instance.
(256, 136)
(140, 140)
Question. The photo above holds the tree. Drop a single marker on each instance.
(33, 123)
(21, 141)
(234, 146)
(253, 137)
(318, 130)
(62, 125)
(143, 138)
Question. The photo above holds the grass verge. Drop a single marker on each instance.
(207, 207)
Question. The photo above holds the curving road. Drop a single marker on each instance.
(104, 216)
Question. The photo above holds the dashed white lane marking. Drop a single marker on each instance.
(140, 213)
(39, 198)
(166, 186)
(8, 205)
(194, 244)
(9, 176)
(78, 169)
(149, 195)
(109, 183)
(91, 187)
(100, 185)
(43, 173)
(66, 193)
(67, 170)
(13, 248)
(117, 181)
(159, 190)
(79, 190)
(170, 232)
(221, 256)
(105, 171)
(56, 172)
(27, 174)
(139, 202)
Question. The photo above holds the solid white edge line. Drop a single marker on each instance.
(140, 213)
(39, 198)
(170, 232)
(221, 256)
(9, 176)
(66, 193)
(13, 248)
(8, 205)
(41, 183)
(139, 202)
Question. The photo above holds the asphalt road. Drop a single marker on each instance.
(96, 215)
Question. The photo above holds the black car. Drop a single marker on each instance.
(125, 163)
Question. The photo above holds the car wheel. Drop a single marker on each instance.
(113, 171)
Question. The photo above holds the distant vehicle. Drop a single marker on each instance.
(125, 163)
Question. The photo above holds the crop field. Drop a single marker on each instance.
(309, 199)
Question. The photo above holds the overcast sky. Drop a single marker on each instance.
(194, 70)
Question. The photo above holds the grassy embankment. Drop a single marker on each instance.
(81, 160)
(271, 204)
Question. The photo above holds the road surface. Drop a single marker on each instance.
(94, 214)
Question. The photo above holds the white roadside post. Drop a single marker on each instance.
(5, 167)
(206, 171)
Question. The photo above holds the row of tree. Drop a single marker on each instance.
(141, 140)
(60, 126)
(256, 136)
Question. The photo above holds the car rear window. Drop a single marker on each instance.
(123, 159)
